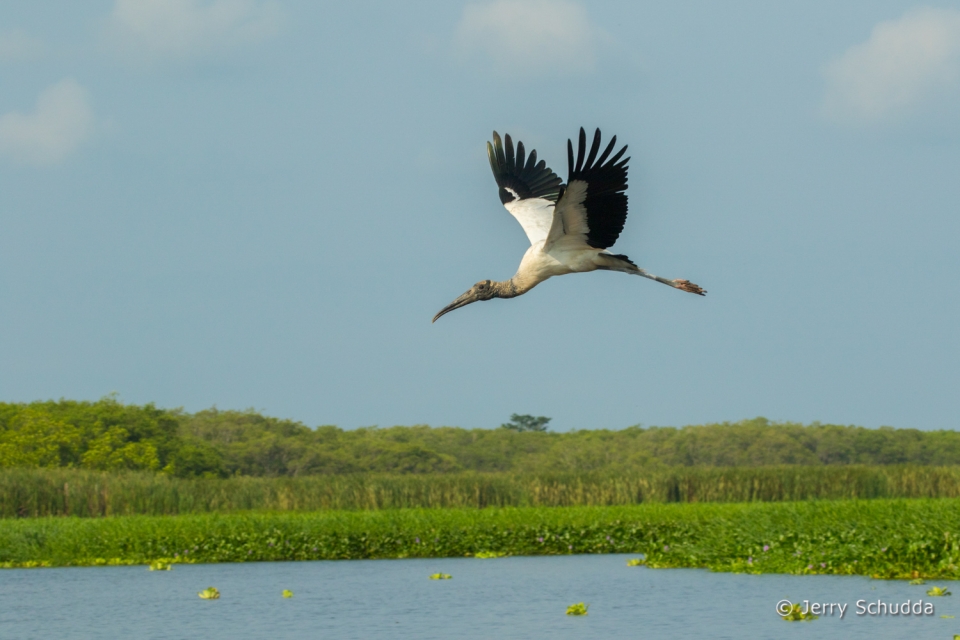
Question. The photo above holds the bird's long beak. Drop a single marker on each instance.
(462, 301)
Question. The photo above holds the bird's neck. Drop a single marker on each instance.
(513, 287)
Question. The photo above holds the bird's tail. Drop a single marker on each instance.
(620, 262)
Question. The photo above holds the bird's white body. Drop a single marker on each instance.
(558, 238)
(538, 264)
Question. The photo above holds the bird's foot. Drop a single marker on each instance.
(686, 285)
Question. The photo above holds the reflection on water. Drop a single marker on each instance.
(499, 598)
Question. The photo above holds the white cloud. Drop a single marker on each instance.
(17, 45)
(61, 122)
(907, 64)
(524, 36)
(181, 29)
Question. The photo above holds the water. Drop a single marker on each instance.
(523, 597)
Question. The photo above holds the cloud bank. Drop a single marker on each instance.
(61, 122)
(905, 65)
(181, 29)
(528, 36)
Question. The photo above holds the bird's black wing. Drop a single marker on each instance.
(520, 178)
(602, 202)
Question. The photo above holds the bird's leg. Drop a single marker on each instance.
(622, 263)
(683, 285)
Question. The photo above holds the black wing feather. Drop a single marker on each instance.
(607, 151)
(606, 202)
(511, 162)
(529, 180)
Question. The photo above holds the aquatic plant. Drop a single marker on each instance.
(839, 538)
(286, 593)
(636, 562)
(210, 593)
(578, 609)
(161, 564)
(797, 613)
(938, 591)
(440, 576)
(917, 581)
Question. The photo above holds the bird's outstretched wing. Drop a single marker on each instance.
(593, 203)
(528, 189)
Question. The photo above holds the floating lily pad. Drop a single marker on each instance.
(440, 576)
(578, 609)
(636, 562)
(797, 613)
(489, 554)
(938, 591)
(286, 593)
(210, 593)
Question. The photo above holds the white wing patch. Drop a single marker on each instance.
(571, 211)
(535, 215)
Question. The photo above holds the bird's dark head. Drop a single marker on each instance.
(483, 290)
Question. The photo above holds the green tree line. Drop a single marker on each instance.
(109, 435)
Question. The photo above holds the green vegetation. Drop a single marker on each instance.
(882, 538)
(797, 614)
(101, 435)
(578, 609)
(286, 593)
(243, 487)
(210, 593)
(938, 591)
(440, 576)
(109, 435)
(76, 492)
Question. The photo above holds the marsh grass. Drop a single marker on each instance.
(71, 492)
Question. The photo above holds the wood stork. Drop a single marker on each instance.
(570, 226)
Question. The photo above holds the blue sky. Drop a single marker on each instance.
(261, 204)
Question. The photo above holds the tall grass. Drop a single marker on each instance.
(68, 492)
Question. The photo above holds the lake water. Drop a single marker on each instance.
(522, 597)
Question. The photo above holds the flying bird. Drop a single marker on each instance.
(570, 226)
